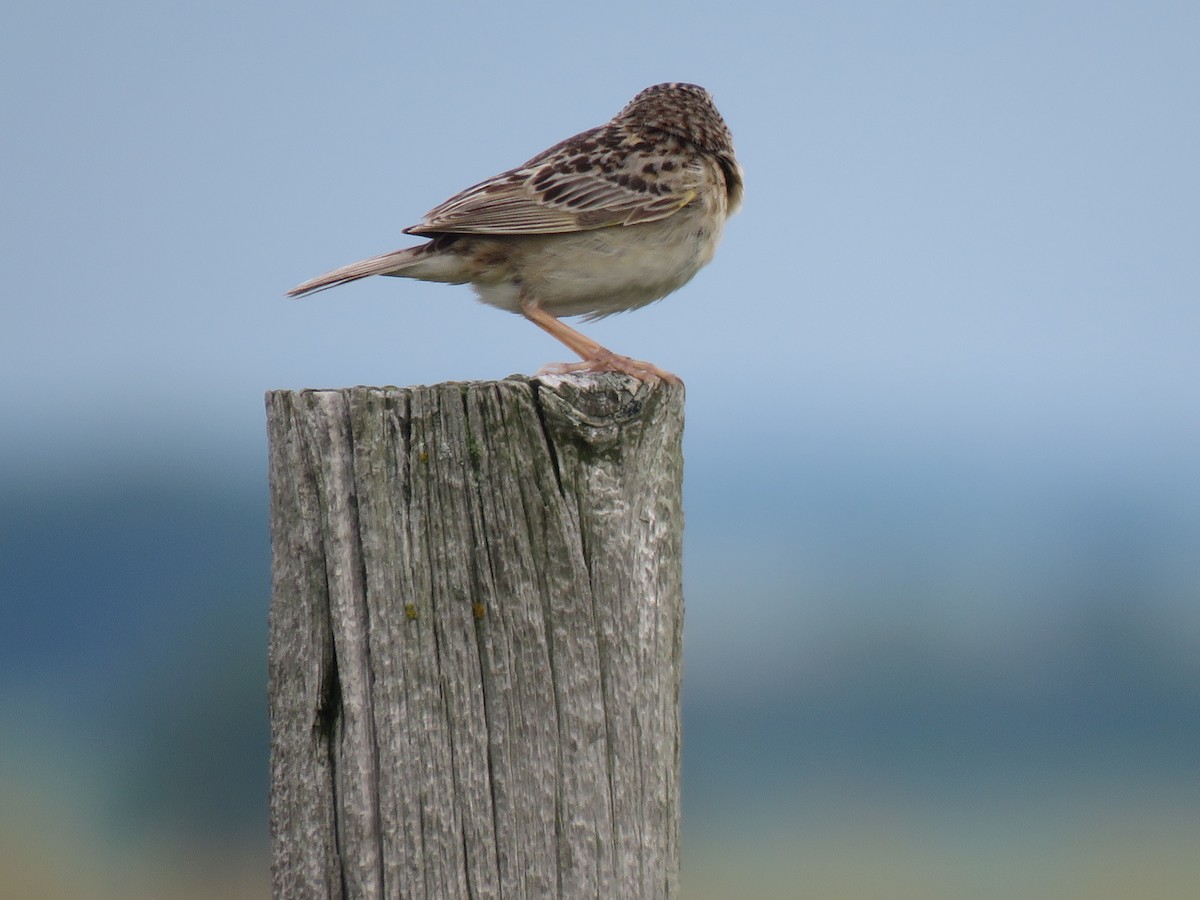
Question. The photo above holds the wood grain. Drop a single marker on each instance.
(476, 638)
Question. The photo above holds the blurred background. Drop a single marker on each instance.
(943, 534)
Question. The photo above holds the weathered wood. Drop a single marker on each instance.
(475, 639)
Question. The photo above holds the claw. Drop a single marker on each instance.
(607, 361)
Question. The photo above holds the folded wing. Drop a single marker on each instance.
(598, 179)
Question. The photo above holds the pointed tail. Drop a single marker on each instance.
(388, 264)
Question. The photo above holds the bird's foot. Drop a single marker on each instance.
(607, 361)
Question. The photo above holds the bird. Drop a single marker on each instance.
(609, 220)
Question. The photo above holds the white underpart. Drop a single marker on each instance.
(610, 270)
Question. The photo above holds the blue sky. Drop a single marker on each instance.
(967, 254)
(963, 224)
(943, 374)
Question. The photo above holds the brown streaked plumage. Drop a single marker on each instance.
(609, 220)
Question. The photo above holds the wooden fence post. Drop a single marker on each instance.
(475, 639)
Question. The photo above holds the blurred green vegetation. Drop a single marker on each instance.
(886, 755)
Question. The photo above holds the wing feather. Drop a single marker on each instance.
(599, 179)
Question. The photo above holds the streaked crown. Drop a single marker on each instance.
(684, 110)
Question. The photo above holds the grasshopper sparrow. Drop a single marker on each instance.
(609, 220)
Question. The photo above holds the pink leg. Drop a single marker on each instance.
(595, 357)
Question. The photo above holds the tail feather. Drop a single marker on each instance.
(388, 264)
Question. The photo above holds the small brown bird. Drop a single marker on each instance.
(606, 221)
